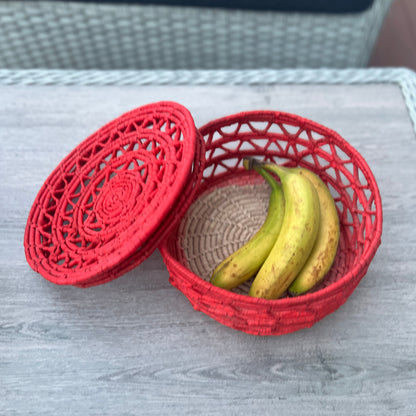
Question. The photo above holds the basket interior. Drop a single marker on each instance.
(231, 204)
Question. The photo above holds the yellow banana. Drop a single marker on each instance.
(246, 261)
(296, 238)
(323, 253)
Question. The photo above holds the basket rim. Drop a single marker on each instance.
(336, 138)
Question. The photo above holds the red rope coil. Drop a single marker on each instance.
(103, 210)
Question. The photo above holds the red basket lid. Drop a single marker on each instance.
(109, 203)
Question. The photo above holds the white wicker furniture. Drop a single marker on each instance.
(76, 35)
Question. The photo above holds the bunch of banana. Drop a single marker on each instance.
(302, 230)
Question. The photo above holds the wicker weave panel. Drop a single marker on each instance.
(115, 36)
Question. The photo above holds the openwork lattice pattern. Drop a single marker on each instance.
(106, 206)
(292, 141)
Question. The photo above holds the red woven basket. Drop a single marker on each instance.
(110, 202)
(293, 141)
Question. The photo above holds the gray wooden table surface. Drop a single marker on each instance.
(136, 346)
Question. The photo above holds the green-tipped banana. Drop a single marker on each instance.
(296, 238)
(323, 253)
(246, 261)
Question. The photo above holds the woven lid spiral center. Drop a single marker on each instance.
(108, 197)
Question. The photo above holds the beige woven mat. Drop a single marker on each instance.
(219, 222)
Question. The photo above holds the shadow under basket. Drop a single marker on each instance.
(231, 204)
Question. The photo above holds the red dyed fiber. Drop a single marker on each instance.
(293, 141)
(107, 205)
(124, 190)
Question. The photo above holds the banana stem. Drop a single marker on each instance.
(252, 163)
(269, 178)
(259, 166)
